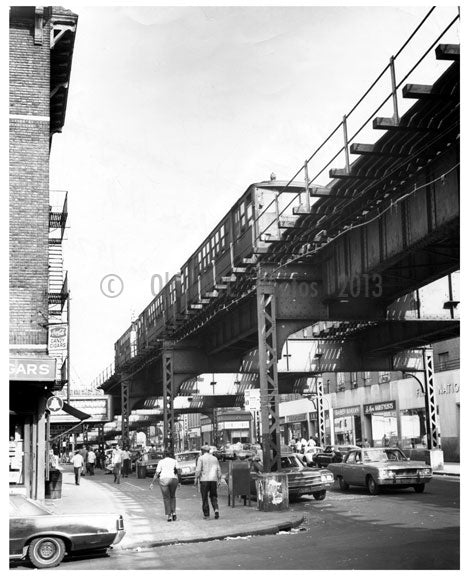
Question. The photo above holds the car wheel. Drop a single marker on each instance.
(319, 495)
(419, 488)
(373, 488)
(46, 551)
(343, 485)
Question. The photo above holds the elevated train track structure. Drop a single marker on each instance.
(345, 258)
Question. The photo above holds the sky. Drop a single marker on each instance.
(174, 111)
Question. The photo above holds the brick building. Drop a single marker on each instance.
(41, 48)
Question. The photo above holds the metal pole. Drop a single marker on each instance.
(347, 159)
(307, 198)
(394, 91)
(68, 348)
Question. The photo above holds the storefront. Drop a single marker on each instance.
(382, 420)
(347, 425)
(30, 381)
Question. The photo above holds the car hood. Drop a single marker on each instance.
(400, 465)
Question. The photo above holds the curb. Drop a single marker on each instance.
(284, 526)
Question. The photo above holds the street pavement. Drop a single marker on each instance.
(145, 522)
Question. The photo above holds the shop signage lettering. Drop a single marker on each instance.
(295, 417)
(347, 411)
(450, 388)
(379, 407)
(58, 337)
(37, 369)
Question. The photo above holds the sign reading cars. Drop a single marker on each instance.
(32, 369)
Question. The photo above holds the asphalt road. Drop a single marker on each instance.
(398, 530)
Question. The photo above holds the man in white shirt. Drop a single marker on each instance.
(208, 473)
(77, 462)
(90, 461)
(117, 464)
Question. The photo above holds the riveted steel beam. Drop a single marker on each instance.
(125, 401)
(168, 395)
(321, 412)
(268, 377)
(433, 433)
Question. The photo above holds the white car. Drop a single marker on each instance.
(307, 457)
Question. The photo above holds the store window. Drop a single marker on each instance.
(16, 451)
(414, 429)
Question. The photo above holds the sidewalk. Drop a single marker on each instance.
(143, 511)
(449, 469)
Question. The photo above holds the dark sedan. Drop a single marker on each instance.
(331, 454)
(44, 538)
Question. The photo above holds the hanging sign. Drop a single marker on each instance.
(58, 337)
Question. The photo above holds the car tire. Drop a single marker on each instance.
(373, 488)
(46, 551)
(419, 488)
(343, 485)
(319, 495)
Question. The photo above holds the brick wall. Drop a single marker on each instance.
(29, 178)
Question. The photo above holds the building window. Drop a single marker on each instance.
(443, 360)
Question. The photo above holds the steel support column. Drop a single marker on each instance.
(268, 377)
(431, 410)
(215, 437)
(168, 397)
(125, 399)
(321, 412)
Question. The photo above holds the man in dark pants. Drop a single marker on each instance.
(208, 474)
(77, 462)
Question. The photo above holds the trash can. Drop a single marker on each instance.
(141, 470)
(239, 479)
(53, 487)
(272, 491)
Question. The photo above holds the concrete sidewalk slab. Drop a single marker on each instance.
(145, 522)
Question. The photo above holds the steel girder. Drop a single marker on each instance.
(168, 396)
(268, 377)
(125, 398)
(433, 432)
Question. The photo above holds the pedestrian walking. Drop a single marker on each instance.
(84, 455)
(311, 442)
(116, 461)
(366, 444)
(90, 462)
(77, 462)
(167, 474)
(208, 475)
(125, 463)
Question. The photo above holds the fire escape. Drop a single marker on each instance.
(58, 287)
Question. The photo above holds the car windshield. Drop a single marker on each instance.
(290, 462)
(187, 456)
(155, 456)
(382, 455)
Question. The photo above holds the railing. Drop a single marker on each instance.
(360, 123)
(103, 376)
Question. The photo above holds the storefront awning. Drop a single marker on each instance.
(75, 412)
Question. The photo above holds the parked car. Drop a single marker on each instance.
(227, 452)
(331, 453)
(377, 467)
(187, 461)
(150, 460)
(45, 538)
(307, 457)
(301, 479)
(248, 451)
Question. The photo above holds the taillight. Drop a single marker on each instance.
(120, 523)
